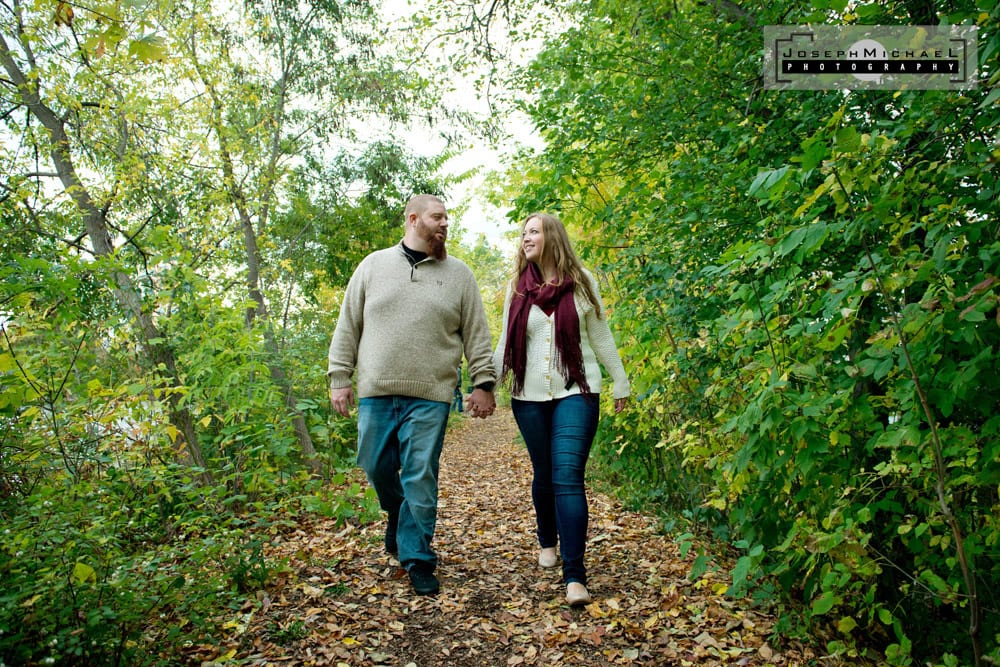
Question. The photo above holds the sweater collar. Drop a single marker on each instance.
(414, 257)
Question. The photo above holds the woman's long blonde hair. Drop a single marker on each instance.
(557, 250)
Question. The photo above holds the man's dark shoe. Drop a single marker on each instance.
(390, 534)
(423, 580)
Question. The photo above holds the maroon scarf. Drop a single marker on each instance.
(531, 291)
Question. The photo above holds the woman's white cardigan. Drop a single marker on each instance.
(542, 379)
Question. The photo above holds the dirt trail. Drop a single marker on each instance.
(345, 602)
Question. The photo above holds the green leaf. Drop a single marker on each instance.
(970, 314)
(766, 180)
(990, 99)
(792, 241)
(740, 573)
(815, 152)
(833, 339)
(148, 49)
(699, 566)
(848, 140)
(823, 603)
(868, 11)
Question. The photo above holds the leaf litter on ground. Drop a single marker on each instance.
(344, 601)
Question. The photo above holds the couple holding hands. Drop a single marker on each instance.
(409, 314)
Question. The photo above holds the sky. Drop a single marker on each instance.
(479, 217)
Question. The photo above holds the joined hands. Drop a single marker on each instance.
(481, 403)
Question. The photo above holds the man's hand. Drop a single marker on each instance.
(342, 400)
(481, 403)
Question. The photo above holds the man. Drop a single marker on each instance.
(408, 314)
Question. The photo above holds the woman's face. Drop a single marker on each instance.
(533, 240)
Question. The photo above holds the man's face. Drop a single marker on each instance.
(432, 227)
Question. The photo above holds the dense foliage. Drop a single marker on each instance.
(805, 286)
(183, 190)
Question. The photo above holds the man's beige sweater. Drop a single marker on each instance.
(404, 328)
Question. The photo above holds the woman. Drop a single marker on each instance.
(554, 335)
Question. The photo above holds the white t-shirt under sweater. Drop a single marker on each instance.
(542, 379)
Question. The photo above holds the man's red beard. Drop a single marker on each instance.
(435, 246)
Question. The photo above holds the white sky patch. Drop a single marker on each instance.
(479, 217)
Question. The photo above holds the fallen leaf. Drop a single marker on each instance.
(496, 607)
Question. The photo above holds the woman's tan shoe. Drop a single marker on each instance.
(547, 557)
(577, 594)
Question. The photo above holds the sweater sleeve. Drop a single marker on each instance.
(343, 355)
(603, 344)
(476, 335)
(502, 337)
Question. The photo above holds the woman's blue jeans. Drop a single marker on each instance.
(559, 434)
(399, 448)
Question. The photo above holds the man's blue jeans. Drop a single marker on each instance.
(559, 434)
(399, 448)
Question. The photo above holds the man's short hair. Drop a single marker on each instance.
(419, 203)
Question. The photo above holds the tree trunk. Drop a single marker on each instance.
(277, 373)
(185, 442)
(259, 311)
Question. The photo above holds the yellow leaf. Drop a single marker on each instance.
(172, 432)
(205, 421)
(717, 503)
(240, 628)
(83, 573)
(350, 641)
(312, 591)
(846, 624)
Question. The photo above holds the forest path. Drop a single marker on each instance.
(345, 602)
